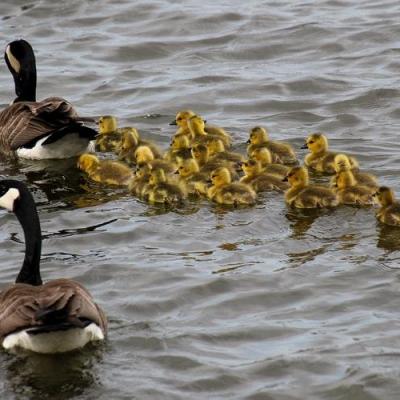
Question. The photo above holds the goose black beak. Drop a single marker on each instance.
(173, 122)
(304, 146)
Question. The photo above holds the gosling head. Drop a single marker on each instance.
(385, 196)
(297, 177)
(342, 163)
(251, 167)
(87, 162)
(107, 124)
(130, 139)
(221, 176)
(262, 154)
(188, 168)
(180, 142)
(182, 117)
(345, 179)
(143, 155)
(258, 135)
(196, 125)
(316, 143)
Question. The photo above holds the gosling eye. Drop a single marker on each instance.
(311, 142)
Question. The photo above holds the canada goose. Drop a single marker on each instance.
(140, 180)
(351, 193)
(320, 159)
(179, 150)
(201, 153)
(389, 213)
(343, 163)
(161, 190)
(145, 156)
(105, 171)
(182, 118)
(264, 156)
(199, 133)
(282, 152)
(54, 317)
(259, 180)
(196, 181)
(216, 149)
(50, 128)
(109, 136)
(224, 191)
(303, 195)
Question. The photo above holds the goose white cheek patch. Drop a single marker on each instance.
(16, 66)
(8, 199)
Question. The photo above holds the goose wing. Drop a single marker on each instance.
(56, 305)
(24, 123)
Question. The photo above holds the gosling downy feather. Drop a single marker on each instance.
(319, 158)
(196, 181)
(199, 134)
(261, 181)
(283, 153)
(343, 163)
(105, 171)
(50, 128)
(303, 195)
(223, 191)
(389, 212)
(145, 156)
(54, 317)
(351, 193)
(264, 156)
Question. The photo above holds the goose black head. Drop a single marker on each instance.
(20, 59)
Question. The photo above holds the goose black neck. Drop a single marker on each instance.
(25, 78)
(25, 211)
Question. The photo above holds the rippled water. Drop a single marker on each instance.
(207, 303)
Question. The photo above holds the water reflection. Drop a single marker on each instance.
(388, 237)
(301, 220)
(60, 377)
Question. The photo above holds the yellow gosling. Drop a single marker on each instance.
(261, 181)
(105, 171)
(216, 149)
(197, 128)
(283, 152)
(320, 159)
(145, 156)
(179, 150)
(197, 182)
(139, 181)
(201, 154)
(303, 195)
(343, 163)
(109, 136)
(223, 191)
(349, 192)
(389, 213)
(264, 156)
(161, 190)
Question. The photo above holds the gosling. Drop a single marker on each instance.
(389, 213)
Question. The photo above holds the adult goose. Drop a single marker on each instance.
(53, 317)
(50, 128)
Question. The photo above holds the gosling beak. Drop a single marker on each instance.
(173, 122)
(304, 146)
(209, 181)
(375, 194)
(285, 179)
(176, 172)
(248, 142)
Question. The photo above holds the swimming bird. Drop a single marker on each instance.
(264, 156)
(389, 213)
(351, 193)
(54, 317)
(320, 158)
(108, 172)
(109, 136)
(224, 191)
(182, 118)
(196, 181)
(199, 134)
(282, 152)
(303, 195)
(259, 180)
(343, 163)
(50, 128)
(145, 156)
(179, 150)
